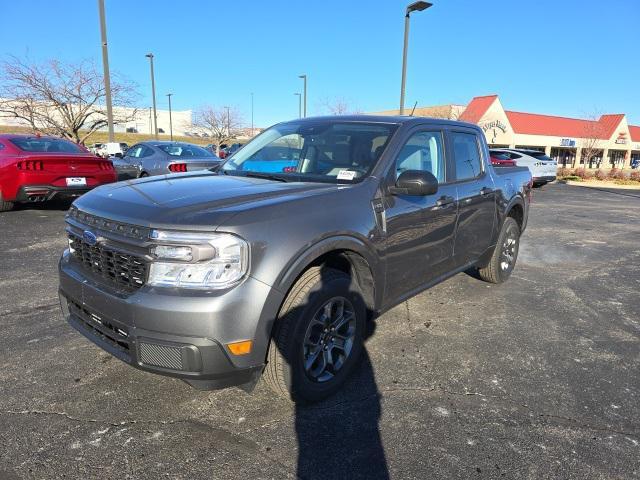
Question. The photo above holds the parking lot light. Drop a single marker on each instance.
(304, 78)
(299, 95)
(414, 7)
(170, 122)
(153, 94)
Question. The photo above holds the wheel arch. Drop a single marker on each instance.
(345, 253)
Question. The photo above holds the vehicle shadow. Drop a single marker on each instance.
(339, 437)
(59, 204)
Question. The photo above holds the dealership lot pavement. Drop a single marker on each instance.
(538, 378)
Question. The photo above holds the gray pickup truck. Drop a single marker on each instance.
(273, 264)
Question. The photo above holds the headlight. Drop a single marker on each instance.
(198, 260)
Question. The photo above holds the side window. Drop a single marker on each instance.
(146, 152)
(466, 155)
(423, 151)
(134, 151)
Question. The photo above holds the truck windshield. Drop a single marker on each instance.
(326, 151)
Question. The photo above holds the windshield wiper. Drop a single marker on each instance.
(266, 176)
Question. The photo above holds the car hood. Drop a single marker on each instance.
(197, 200)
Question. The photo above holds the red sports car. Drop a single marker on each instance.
(501, 160)
(37, 168)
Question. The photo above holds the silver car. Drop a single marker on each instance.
(161, 158)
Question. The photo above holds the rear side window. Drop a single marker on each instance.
(184, 150)
(48, 145)
(541, 156)
(423, 151)
(466, 155)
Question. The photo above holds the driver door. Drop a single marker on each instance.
(420, 230)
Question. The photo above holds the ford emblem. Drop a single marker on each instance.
(89, 237)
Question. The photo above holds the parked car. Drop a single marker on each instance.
(501, 160)
(212, 147)
(160, 158)
(543, 168)
(39, 168)
(218, 278)
(94, 148)
(126, 168)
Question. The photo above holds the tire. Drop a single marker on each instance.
(5, 206)
(143, 174)
(504, 255)
(303, 323)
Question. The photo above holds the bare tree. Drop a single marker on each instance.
(338, 106)
(65, 99)
(221, 123)
(591, 141)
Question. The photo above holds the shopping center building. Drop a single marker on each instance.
(606, 142)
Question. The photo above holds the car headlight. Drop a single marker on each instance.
(197, 260)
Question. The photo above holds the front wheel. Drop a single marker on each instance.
(504, 255)
(318, 338)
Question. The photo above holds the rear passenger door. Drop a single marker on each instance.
(476, 196)
(419, 229)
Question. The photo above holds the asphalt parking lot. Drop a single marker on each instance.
(537, 378)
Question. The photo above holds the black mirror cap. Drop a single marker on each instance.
(416, 182)
(119, 155)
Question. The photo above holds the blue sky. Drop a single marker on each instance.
(565, 57)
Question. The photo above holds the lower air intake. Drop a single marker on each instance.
(161, 356)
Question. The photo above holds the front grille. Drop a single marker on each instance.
(121, 270)
(102, 328)
(161, 355)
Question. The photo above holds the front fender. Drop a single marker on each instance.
(309, 254)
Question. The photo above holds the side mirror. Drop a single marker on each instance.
(119, 155)
(415, 182)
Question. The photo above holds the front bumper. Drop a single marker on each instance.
(171, 332)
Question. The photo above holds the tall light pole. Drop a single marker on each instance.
(105, 67)
(170, 122)
(153, 94)
(304, 78)
(252, 114)
(414, 7)
(299, 104)
(228, 123)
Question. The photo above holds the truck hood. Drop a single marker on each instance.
(189, 200)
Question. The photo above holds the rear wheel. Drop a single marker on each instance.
(5, 206)
(143, 174)
(319, 336)
(504, 255)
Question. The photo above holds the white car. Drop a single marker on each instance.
(543, 168)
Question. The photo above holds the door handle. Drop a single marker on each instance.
(445, 201)
(486, 191)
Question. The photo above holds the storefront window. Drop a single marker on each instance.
(564, 156)
(616, 158)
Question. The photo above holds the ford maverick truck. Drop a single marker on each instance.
(272, 265)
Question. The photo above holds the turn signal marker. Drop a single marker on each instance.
(240, 348)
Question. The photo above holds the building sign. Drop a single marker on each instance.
(494, 126)
(567, 142)
(622, 138)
